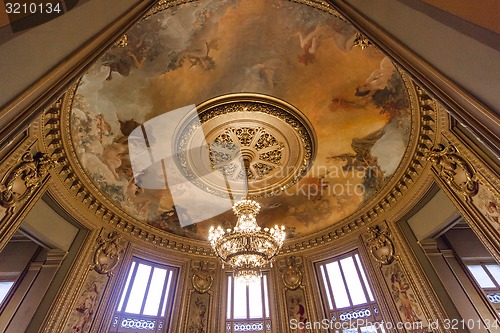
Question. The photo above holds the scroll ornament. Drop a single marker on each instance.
(108, 253)
(203, 277)
(362, 41)
(380, 245)
(24, 179)
(454, 169)
(292, 273)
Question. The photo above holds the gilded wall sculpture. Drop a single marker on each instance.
(380, 245)
(24, 178)
(108, 254)
(454, 169)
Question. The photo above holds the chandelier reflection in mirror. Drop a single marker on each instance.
(247, 248)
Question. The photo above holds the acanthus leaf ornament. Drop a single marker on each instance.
(362, 41)
(203, 277)
(292, 273)
(380, 245)
(24, 178)
(454, 169)
(108, 253)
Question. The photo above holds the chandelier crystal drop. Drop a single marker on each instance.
(247, 248)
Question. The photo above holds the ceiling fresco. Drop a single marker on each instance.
(354, 99)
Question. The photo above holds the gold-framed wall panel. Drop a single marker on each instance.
(280, 302)
(387, 306)
(210, 291)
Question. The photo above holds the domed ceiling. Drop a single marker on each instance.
(341, 128)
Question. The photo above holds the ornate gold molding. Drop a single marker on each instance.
(454, 169)
(362, 41)
(108, 254)
(479, 210)
(202, 276)
(423, 292)
(380, 245)
(291, 274)
(22, 180)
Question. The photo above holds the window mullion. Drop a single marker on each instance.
(247, 288)
(163, 294)
(345, 284)
(147, 289)
(361, 280)
(262, 298)
(490, 276)
(131, 284)
(329, 287)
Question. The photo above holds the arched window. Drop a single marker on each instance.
(247, 306)
(146, 299)
(347, 296)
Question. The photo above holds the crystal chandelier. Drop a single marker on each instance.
(246, 248)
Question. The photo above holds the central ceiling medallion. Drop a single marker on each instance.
(257, 146)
